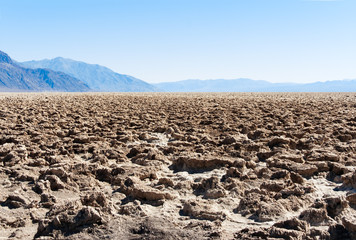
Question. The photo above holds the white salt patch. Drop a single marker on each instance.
(156, 139)
(204, 175)
(162, 139)
(325, 187)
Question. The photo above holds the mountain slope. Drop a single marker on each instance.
(97, 77)
(248, 85)
(16, 78)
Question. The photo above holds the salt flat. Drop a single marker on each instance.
(178, 166)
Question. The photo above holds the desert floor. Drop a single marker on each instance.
(178, 166)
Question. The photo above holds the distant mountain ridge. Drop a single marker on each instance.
(17, 78)
(60, 74)
(248, 85)
(97, 77)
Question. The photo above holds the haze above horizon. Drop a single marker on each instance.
(170, 40)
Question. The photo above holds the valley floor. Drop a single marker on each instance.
(177, 166)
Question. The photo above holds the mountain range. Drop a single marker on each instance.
(61, 74)
(14, 77)
(97, 77)
(248, 85)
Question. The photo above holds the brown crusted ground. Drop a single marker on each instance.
(178, 166)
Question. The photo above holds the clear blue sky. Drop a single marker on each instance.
(169, 40)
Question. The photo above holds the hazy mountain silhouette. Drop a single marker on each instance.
(97, 77)
(60, 74)
(248, 85)
(16, 78)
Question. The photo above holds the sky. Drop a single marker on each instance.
(171, 40)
